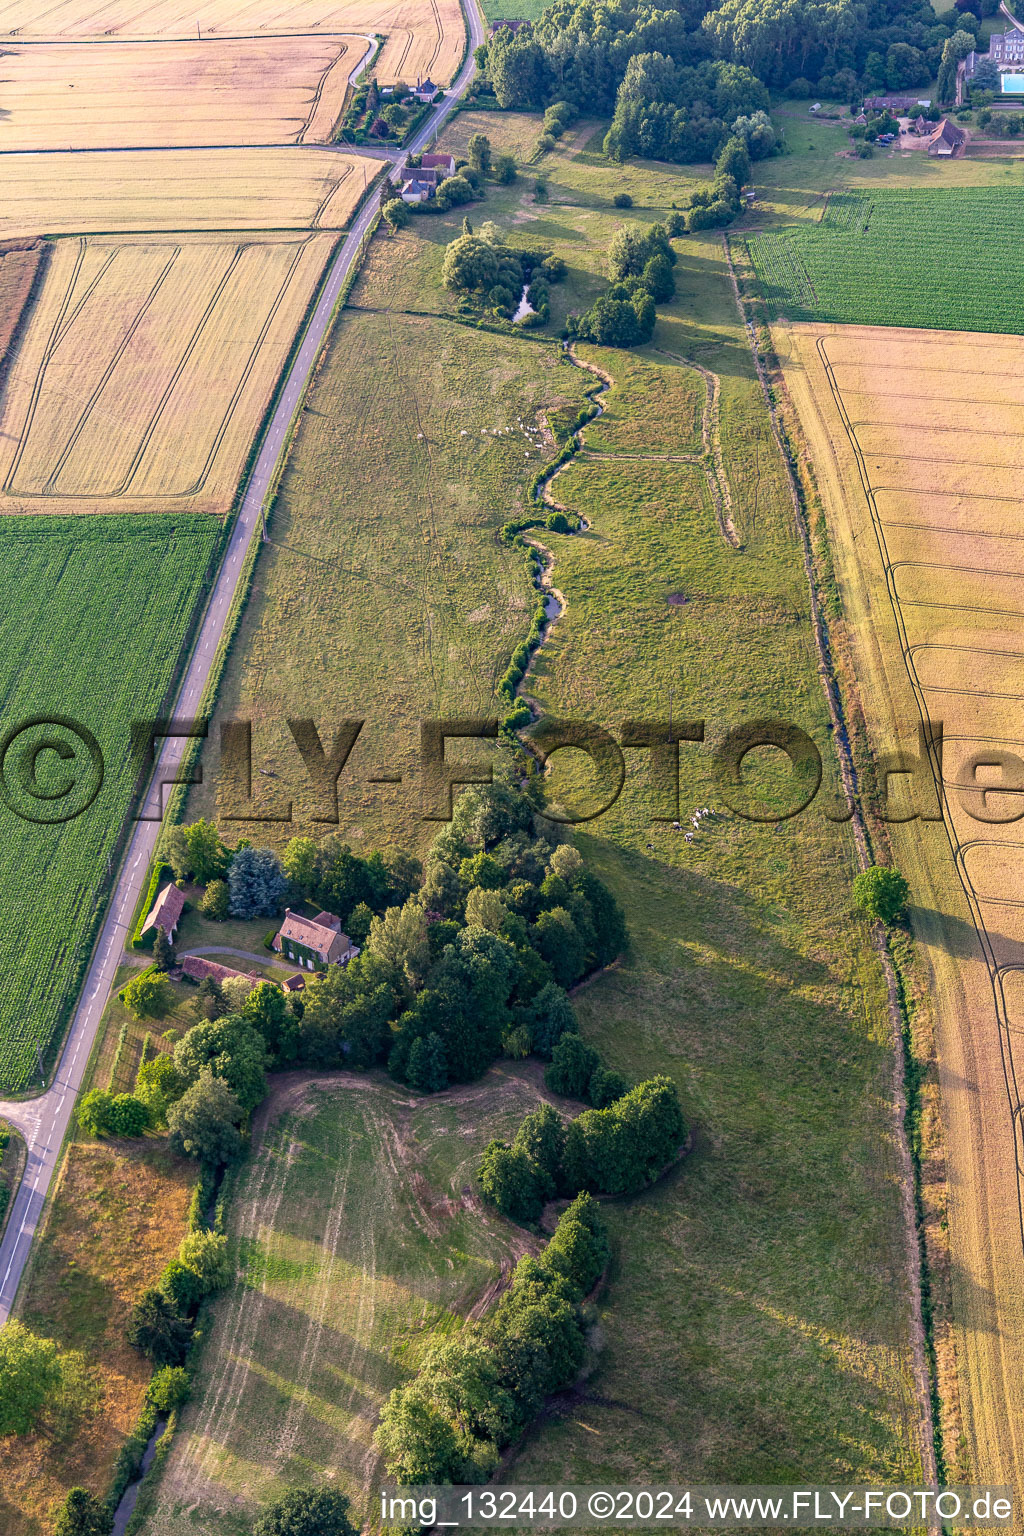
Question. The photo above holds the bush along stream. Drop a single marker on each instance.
(540, 559)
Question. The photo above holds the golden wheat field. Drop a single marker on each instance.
(287, 90)
(138, 191)
(424, 37)
(145, 368)
(916, 440)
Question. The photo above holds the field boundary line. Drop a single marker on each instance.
(914, 1243)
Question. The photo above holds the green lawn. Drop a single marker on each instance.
(94, 615)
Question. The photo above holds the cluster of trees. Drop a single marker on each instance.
(717, 202)
(161, 1323)
(495, 273)
(461, 962)
(557, 118)
(640, 262)
(581, 51)
(614, 1150)
(477, 1390)
(41, 1385)
(241, 882)
(685, 113)
(214, 1079)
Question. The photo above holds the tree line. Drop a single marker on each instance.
(617, 1149)
(678, 79)
(477, 1391)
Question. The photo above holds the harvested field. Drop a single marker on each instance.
(118, 1215)
(141, 191)
(357, 1241)
(286, 90)
(929, 549)
(424, 37)
(146, 367)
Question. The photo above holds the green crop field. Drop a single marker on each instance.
(94, 610)
(944, 259)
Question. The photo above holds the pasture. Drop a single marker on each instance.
(94, 615)
(285, 90)
(767, 1276)
(145, 367)
(940, 258)
(384, 592)
(424, 37)
(915, 438)
(146, 191)
(357, 1242)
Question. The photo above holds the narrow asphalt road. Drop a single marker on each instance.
(44, 1121)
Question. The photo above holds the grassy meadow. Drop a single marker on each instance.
(117, 1215)
(765, 1277)
(357, 1241)
(385, 594)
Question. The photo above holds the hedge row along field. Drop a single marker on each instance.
(94, 612)
(955, 258)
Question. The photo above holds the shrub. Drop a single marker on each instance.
(541, 1138)
(127, 1116)
(572, 1065)
(30, 1375)
(147, 995)
(156, 1328)
(93, 1114)
(169, 1388)
(306, 1512)
(622, 200)
(509, 1180)
(881, 893)
(605, 1087)
(206, 1254)
(214, 903)
(83, 1514)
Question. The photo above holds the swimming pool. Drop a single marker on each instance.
(1012, 85)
